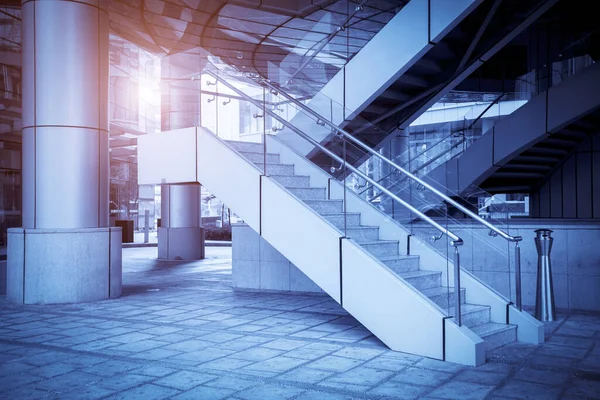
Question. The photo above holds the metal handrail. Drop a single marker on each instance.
(456, 240)
(394, 165)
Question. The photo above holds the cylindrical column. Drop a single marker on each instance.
(65, 120)
(544, 299)
(181, 235)
(71, 254)
(180, 205)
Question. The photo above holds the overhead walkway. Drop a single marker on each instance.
(520, 152)
(427, 49)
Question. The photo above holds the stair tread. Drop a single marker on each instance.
(338, 214)
(293, 175)
(379, 241)
(440, 290)
(397, 257)
(363, 227)
(417, 273)
(322, 200)
(468, 308)
(490, 328)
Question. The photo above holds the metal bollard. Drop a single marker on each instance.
(544, 300)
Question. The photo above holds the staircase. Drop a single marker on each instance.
(429, 283)
(425, 51)
(520, 152)
(399, 297)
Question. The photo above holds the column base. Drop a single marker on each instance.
(181, 243)
(53, 266)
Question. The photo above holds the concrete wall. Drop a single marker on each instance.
(573, 189)
(574, 258)
(257, 265)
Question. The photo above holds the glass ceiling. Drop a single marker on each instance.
(301, 43)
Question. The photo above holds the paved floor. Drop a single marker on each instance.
(179, 331)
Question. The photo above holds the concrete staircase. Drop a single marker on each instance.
(408, 267)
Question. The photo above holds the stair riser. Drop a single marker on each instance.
(447, 300)
(500, 338)
(278, 169)
(259, 158)
(338, 220)
(292, 180)
(381, 249)
(325, 206)
(403, 265)
(476, 318)
(362, 234)
(309, 193)
(425, 281)
(249, 147)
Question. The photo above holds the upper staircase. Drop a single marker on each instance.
(427, 49)
(520, 152)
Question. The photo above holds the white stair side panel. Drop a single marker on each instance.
(463, 346)
(303, 237)
(445, 15)
(529, 330)
(167, 157)
(229, 177)
(389, 308)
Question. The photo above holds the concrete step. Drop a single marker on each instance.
(296, 181)
(325, 206)
(309, 193)
(496, 335)
(381, 248)
(473, 314)
(277, 169)
(423, 279)
(352, 219)
(401, 264)
(272, 158)
(362, 233)
(443, 296)
(250, 147)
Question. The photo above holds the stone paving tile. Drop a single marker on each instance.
(204, 393)
(258, 345)
(145, 392)
(527, 390)
(269, 391)
(419, 376)
(462, 390)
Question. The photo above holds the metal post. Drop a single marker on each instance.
(518, 275)
(457, 304)
(544, 300)
(146, 226)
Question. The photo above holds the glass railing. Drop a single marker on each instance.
(337, 162)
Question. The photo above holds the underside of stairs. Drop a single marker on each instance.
(428, 283)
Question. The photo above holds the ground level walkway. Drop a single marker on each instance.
(180, 331)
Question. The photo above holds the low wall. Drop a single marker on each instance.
(575, 261)
(574, 258)
(257, 265)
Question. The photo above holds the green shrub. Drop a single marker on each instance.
(214, 233)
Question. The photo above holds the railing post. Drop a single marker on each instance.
(518, 275)
(457, 296)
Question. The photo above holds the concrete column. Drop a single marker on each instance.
(65, 252)
(180, 236)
